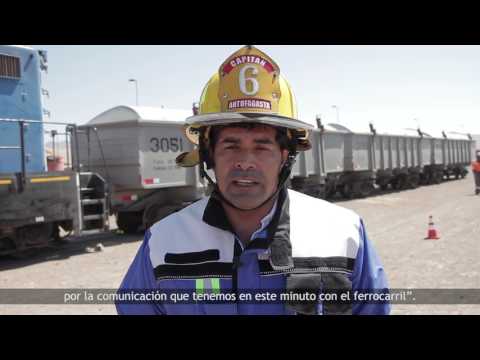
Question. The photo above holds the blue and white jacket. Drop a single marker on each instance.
(303, 243)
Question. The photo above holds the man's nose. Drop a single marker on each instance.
(245, 161)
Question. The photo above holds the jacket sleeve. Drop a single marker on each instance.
(140, 277)
(369, 274)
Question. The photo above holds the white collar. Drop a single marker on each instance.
(266, 220)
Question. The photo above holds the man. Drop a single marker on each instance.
(476, 173)
(253, 236)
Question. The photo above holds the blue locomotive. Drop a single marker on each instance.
(21, 98)
(38, 203)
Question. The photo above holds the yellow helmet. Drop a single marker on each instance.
(247, 88)
(210, 102)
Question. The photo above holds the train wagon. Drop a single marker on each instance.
(308, 173)
(458, 156)
(340, 161)
(134, 149)
(354, 163)
(349, 162)
(397, 159)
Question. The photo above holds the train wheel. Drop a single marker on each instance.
(383, 187)
(129, 222)
(151, 215)
(7, 245)
(423, 179)
(347, 191)
(405, 182)
(366, 189)
(322, 194)
(330, 192)
(395, 184)
(429, 179)
(413, 181)
(29, 239)
(401, 183)
(318, 193)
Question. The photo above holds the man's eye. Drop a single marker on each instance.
(231, 147)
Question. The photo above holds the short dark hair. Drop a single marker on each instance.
(281, 136)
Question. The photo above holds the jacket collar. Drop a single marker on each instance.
(278, 231)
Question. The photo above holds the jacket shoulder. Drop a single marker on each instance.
(186, 232)
(320, 227)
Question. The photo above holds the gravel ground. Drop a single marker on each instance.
(396, 223)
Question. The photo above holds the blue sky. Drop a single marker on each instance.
(391, 86)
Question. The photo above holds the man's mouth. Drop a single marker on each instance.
(245, 183)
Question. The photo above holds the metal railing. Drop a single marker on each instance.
(70, 132)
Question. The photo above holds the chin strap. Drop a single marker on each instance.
(282, 179)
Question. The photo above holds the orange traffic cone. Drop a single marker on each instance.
(432, 232)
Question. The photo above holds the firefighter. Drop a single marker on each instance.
(252, 234)
(476, 172)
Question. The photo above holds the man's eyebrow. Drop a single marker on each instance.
(263, 141)
(230, 140)
(234, 140)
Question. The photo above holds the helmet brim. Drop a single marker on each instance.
(194, 123)
(225, 118)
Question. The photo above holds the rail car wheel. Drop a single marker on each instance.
(366, 188)
(395, 184)
(404, 182)
(347, 191)
(7, 245)
(29, 239)
(428, 179)
(384, 187)
(321, 194)
(151, 215)
(413, 181)
(423, 180)
(330, 190)
(330, 193)
(129, 222)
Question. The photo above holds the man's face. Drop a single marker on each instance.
(247, 164)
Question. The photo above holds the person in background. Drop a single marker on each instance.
(476, 173)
